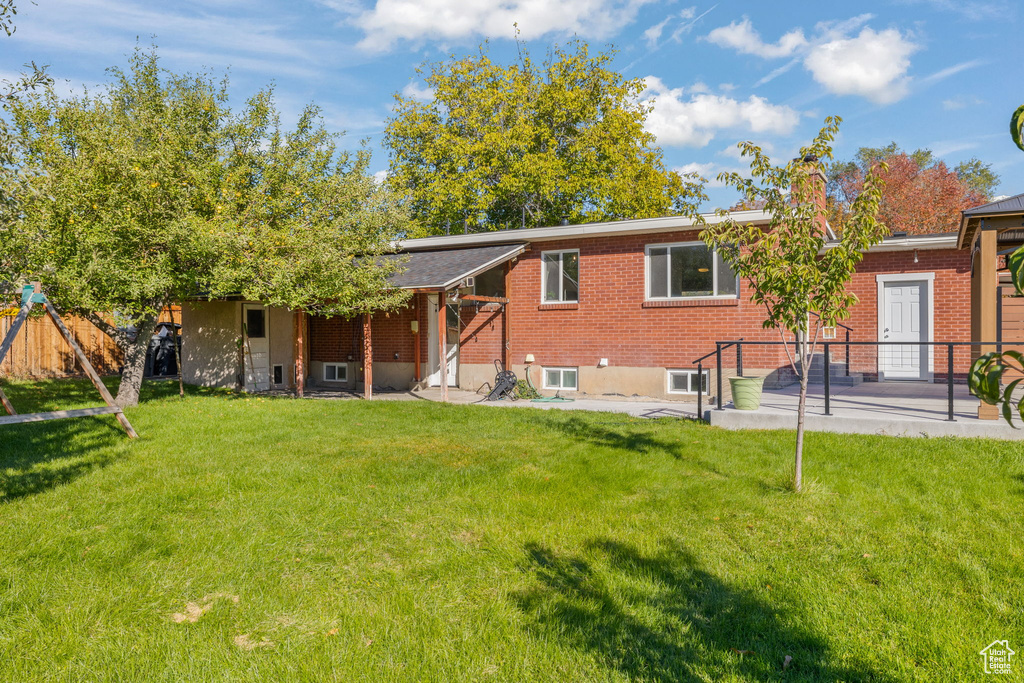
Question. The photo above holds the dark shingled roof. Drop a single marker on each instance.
(1013, 204)
(446, 267)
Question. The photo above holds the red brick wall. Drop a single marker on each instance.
(333, 340)
(613, 321)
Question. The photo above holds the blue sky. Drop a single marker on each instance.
(942, 74)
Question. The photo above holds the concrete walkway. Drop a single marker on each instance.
(890, 408)
(893, 408)
(638, 407)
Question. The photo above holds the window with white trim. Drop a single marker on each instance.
(335, 372)
(560, 378)
(688, 270)
(561, 276)
(688, 382)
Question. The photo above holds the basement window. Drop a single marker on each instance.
(687, 381)
(688, 270)
(335, 372)
(560, 378)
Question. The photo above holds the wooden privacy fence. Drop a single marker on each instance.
(39, 351)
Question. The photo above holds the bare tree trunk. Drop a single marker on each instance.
(134, 362)
(800, 411)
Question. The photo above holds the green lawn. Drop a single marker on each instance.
(280, 540)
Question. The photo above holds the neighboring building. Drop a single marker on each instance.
(616, 308)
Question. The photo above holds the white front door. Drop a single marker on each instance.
(434, 379)
(904, 318)
(256, 349)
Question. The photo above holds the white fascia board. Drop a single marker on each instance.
(946, 241)
(560, 232)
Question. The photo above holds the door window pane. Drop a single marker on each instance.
(255, 323)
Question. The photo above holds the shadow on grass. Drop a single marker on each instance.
(662, 618)
(633, 438)
(36, 457)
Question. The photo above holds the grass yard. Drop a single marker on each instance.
(285, 540)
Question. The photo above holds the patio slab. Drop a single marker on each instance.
(890, 408)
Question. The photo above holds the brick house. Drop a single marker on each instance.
(614, 308)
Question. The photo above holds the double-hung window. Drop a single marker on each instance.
(561, 276)
(688, 270)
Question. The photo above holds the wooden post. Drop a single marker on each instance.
(416, 338)
(7, 404)
(988, 283)
(367, 357)
(505, 326)
(442, 336)
(87, 366)
(300, 354)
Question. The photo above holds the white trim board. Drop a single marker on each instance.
(929, 279)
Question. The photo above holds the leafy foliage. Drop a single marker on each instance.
(526, 144)
(152, 190)
(1017, 127)
(922, 195)
(789, 269)
(36, 76)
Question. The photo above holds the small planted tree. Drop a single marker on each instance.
(792, 268)
(987, 373)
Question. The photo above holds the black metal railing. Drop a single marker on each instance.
(826, 348)
(717, 353)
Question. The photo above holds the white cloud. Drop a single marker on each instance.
(943, 74)
(653, 34)
(390, 21)
(873, 65)
(961, 102)
(380, 176)
(710, 171)
(742, 37)
(416, 91)
(693, 120)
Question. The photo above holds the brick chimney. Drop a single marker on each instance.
(818, 180)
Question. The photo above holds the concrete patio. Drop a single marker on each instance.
(893, 408)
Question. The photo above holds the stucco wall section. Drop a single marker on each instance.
(209, 354)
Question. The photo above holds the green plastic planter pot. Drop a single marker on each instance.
(746, 392)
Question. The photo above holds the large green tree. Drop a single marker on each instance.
(501, 146)
(152, 191)
(800, 283)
